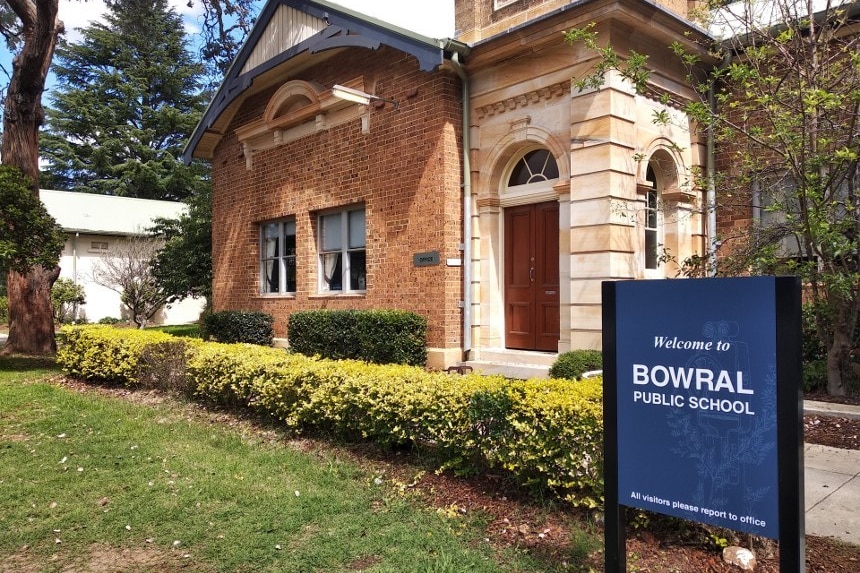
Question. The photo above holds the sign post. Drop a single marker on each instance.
(703, 409)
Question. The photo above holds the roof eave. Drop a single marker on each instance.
(346, 28)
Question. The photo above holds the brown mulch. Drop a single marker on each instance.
(551, 532)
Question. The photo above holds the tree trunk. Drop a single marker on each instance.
(837, 361)
(31, 325)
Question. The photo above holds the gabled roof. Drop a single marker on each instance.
(298, 33)
(106, 214)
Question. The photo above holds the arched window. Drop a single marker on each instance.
(652, 221)
(536, 166)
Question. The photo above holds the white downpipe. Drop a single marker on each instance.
(467, 210)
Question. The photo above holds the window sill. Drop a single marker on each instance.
(276, 295)
(353, 294)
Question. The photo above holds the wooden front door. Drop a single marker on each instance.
(532, 315)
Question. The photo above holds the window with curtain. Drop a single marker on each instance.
(652, 223)
(343, 261)
(278, 257)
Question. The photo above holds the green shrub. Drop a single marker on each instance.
(110, 320)
(187, 330)
(162, 366)
(377, 336)
(575, 363)
(544, 434)
(231, 326)
(105, 353)
(814, 353)
(65, 296)
(4, 310)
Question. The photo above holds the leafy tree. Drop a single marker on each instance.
(30, 236)
(33, 31)
(30, 29)
(128, 271)
(183, 266)
(226, 24)
(127, 97)
(65, 298)
(786, 121)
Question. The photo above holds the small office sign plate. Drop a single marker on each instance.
(426, 259)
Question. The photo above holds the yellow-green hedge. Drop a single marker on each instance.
(105, 353)
(547, 434)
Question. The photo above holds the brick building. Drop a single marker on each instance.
(477, 186)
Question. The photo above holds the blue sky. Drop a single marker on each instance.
(434, 18)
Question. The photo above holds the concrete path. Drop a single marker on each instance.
(832, 481)
(832, 492)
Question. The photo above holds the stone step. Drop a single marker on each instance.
(517, 371)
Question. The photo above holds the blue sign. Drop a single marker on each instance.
(696, 364)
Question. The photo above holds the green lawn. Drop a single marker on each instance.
(87, 479)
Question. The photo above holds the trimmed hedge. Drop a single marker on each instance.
(232, 326)
(377, 336)
(546, 434)
(105, 353)
(574, 363)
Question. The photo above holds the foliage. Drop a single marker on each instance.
(574, 363)
(195, 495)
(378, 336)
(4, 309)
(186, 330)
(30, 236)
(814, 354)
(545, 434)
(127, 270)
(226, 24)
(65, 297)
(239, 326)
(183, 266)
(105, 353)
(784, 119)
(126, 99)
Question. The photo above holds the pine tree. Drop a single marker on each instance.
(127, 97)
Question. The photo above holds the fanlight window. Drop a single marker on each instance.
(534, 167)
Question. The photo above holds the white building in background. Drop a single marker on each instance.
(94, 226)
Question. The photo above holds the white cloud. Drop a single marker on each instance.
(77, 14)
(434, 19)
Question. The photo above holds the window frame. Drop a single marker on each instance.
(282, 258)
(652, 213)
(351, 257)
(499, 4)
(99, 246)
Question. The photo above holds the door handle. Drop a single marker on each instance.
(532, 274)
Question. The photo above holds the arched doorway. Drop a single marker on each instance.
(532, 311)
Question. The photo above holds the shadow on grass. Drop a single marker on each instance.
(20, 363)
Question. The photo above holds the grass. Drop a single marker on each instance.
(88, 480)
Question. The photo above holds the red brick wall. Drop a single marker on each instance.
(406, 172)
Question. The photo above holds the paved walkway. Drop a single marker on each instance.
(832, 482)
(832, 492)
